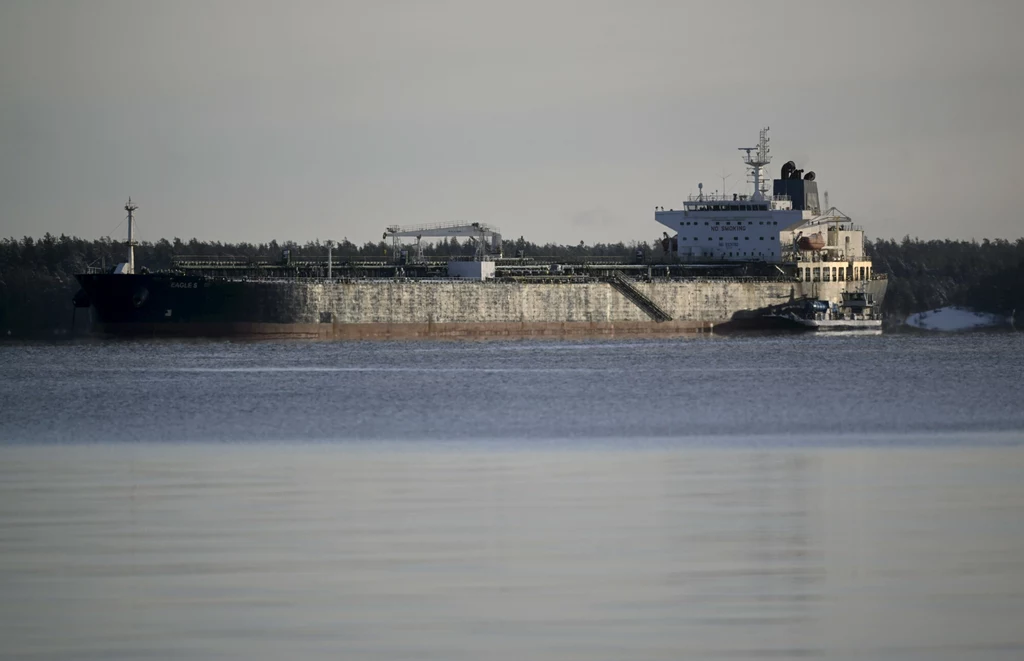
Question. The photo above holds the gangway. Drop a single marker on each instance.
(622, 284)
(486, 237)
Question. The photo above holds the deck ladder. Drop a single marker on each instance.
(622, 284)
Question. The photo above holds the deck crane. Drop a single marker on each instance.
(486, 237)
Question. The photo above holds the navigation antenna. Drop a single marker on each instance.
(130, 208)
(758, 157)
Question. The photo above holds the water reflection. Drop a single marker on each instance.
(389, 551)
(746, 540)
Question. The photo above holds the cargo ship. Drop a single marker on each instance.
(728, 258)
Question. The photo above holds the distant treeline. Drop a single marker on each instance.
(37, 275)
(923, 275)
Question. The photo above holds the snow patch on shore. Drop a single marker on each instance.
(954, 318)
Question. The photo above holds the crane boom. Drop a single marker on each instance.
(487, 237)
(442, 229)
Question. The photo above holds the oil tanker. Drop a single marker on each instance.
(724, 258)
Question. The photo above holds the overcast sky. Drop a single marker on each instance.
(560, 121)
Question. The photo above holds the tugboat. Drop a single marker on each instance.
(857, 312)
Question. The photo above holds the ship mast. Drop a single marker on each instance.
(758, 157)
(130, 208)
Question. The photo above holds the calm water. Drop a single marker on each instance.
(833, 498)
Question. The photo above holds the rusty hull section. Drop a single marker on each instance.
(402, 331)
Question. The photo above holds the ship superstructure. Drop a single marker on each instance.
(787, 226)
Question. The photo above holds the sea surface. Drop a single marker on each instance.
(709, 498)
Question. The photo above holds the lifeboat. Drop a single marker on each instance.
(811, 242)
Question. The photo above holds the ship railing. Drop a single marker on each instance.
(731, 197)
(216, 259)
(827, 255)
(828, 222)
(579, 260)
(533, 277)
(232, 260)
(463, 258)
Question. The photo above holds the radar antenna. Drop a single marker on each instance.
(758, 157)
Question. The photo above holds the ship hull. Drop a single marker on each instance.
(168, 305)
(775, 323)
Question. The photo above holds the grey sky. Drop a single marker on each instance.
(562, 121)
